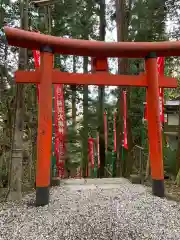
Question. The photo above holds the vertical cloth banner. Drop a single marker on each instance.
(60, 128)
(125, 120)
(91, 151)
(160, 63)
(97, 147)
(105, 130)
(36, 55)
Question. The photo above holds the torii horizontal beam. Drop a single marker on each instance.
(25, 39)
(98, 78)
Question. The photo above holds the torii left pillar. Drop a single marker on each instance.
(44, 128)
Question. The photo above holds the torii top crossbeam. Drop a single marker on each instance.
(25, 39)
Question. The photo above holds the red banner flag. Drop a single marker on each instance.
(125, 120)
(36, 55)
(105, 130)
(91, 151)
(160, 63)
(98, 154)
(161, 104)
(60, 128)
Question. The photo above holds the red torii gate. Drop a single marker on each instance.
(46, 76)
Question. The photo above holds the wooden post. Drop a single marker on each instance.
(44, 128)
(154, 126)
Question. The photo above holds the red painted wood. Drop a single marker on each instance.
(99, 78)
(154, 125)
(44, 121)
(32, 40)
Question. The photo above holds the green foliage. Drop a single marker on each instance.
(148, 21)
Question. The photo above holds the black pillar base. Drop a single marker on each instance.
(42, 196)
(158, 188)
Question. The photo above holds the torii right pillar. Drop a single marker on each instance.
(154, 126)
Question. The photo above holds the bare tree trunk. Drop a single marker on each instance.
(30, 161)
(119, 128)
(85, 122)
(33, 136)
(122, 21)
(73, 89)
(15, 179)
(102, 31)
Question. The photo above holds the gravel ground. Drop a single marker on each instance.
(125, 212)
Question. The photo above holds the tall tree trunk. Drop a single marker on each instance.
(15, 178)
(129, 159)
(73, 89)
(33, 136)
(122, 22)
(119, 128)
(101, 95)
(85, 122)
(30, 161)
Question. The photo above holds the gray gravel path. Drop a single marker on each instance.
(124, 211)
